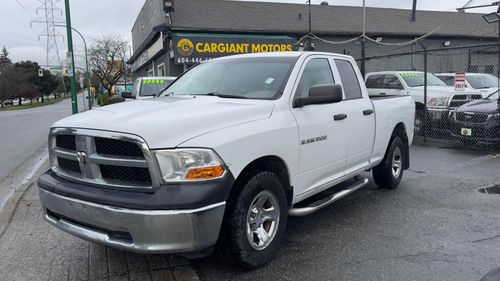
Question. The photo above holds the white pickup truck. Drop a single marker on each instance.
(441, 98)
(225, 154)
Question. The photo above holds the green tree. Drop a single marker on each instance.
(13, 83)
(4, 58)
(46, 84)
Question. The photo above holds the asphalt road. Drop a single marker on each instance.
(23, 132)
(435, 226)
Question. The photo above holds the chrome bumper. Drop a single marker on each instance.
(170, 231)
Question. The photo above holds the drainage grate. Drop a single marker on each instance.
(490, 190)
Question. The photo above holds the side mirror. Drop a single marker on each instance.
(320, 94)
(127, 95)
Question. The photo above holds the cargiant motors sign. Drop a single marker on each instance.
(192, 48)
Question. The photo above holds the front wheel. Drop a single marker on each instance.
(389, 172)
(257, 220)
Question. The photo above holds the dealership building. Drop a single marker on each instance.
(171, 35)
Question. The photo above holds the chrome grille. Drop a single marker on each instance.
(459, 100)
(66, 142)
(472, 117)
(102, 158)
(117, 147)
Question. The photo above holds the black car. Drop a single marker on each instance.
(478, 121)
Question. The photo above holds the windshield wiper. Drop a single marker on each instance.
(216, 94)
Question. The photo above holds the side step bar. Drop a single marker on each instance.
(304, 211)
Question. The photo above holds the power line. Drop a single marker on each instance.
(25, 10)
(17, 34)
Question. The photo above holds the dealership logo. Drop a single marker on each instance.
(185, 47)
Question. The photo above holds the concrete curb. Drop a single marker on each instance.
(21, 185)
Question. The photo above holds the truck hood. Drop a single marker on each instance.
(167, 122)
(480, 106)
(444, 91)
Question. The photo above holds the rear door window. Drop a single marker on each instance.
(375, 81)
(392, 82)
(350, 81)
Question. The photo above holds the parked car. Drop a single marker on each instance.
(232, 148)
(478, 121)
(148, 87)
(441, 99)
(485, 83)
(8, 103)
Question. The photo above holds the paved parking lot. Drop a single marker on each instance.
(31, 249)
(436, 226)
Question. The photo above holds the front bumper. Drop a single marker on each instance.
(485, 132)
(142, 231)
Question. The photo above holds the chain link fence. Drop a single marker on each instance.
(455, 92)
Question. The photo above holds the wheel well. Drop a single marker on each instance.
(268, 163)
(419, 106)
(400, 131)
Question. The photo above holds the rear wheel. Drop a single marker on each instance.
(419, 122)
(257, 220)
(389, 172)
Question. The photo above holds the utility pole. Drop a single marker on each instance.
(363, 42)
(414, 11)
(89, 96)
(310, 20)
(71, 57)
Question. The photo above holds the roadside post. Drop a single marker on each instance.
(71, 57)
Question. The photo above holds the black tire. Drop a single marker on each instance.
(385, 174)
(419, 122)
(237, 245)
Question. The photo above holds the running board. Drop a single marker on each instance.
(304, 211)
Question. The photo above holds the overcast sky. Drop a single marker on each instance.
(95, 18)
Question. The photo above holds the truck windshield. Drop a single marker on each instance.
(483, 81)
(417, 79)
(246, 78)
(152, 87)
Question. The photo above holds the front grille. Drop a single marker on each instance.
(459, 100)
(128, 174)
(66, 142)
(69, 165)
(117, 147)
(102, 158)
(472, 117)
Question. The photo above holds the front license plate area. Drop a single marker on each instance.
(466, 132)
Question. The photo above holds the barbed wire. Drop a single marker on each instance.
(364, 36)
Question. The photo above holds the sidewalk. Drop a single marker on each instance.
(31, 249)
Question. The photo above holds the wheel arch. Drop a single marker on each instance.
(269, 163)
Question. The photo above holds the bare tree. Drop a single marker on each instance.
(108, 56)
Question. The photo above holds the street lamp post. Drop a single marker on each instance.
(89, 96)
(72, 79)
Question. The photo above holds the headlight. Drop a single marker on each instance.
(439, 102)
(189, 165)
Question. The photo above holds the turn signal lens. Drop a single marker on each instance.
(205, 173)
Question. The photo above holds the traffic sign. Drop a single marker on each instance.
(460, 81)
